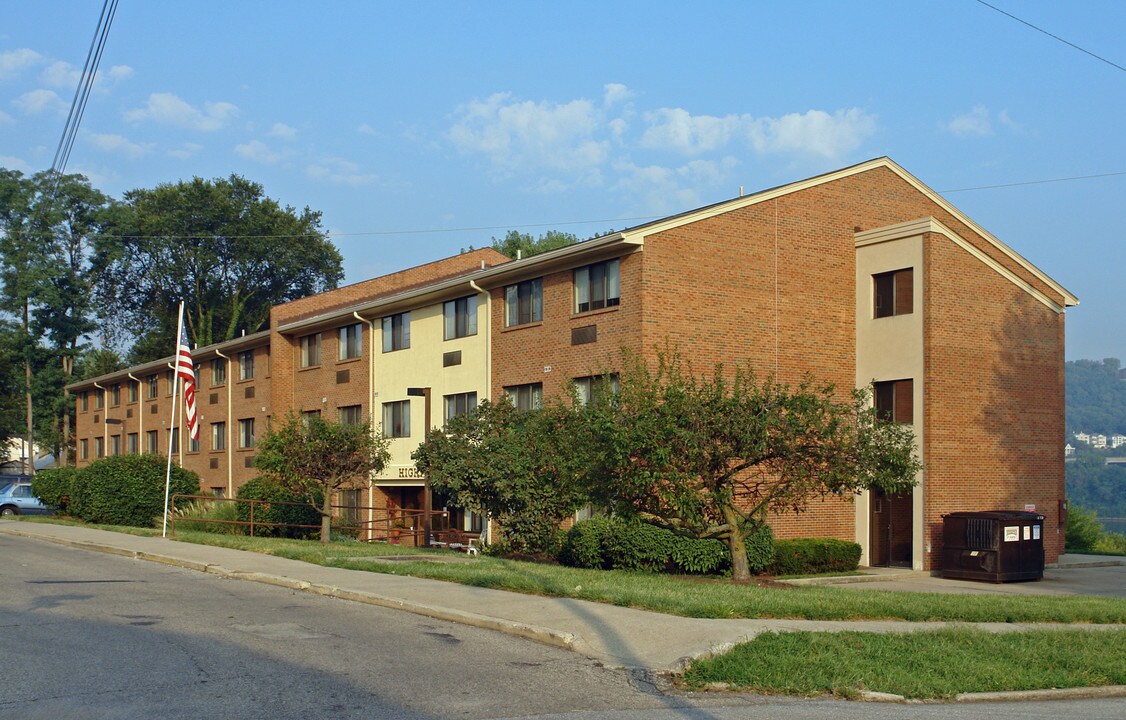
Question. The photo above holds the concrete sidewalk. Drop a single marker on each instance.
(614, 636)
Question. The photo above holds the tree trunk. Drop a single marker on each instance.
(736, 543)
(326, 516)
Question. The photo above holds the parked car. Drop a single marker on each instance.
(16, 499)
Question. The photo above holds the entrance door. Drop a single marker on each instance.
(891, 528)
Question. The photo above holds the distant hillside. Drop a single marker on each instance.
(1096, 397)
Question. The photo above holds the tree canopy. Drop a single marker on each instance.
(220, 246)
(516, 243)
(312, 457)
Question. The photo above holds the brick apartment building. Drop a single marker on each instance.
(857, 276)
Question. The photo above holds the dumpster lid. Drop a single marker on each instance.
(1017, 515)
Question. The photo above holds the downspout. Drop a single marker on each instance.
(371, 416)
(488, 370)
(140, 414)
(105, 424)
(227, 428)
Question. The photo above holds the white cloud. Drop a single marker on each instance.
(39, 101)
(975, 123)
(338, 172)
(676, 129)
(119, 144)
(5, 118)
(614, 93)
(281, 130)
(257, 151)
(12, 62)
(815, 132)
(120, 72)
(185, 151)
(60, 74)
(521, 134)
(365, 129)
(168, 109)
(14, 163)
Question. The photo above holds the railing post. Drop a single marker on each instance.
(252, 504)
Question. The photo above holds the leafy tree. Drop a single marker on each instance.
(313, 457)
(515, 467)
(525, 245)
(709, 457)
(220, 246)
(1096, 396)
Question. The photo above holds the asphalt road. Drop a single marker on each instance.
(93, 636)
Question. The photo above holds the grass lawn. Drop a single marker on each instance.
(931, 664)
(689, 597)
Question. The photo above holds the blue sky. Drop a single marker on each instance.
(422, 128)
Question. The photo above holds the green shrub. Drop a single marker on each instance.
(808, 556)
(582, 547)
(274, 495)
(612, 543)
(127, 490)
(220, 514)
(54, 486)
(700, 557)
(1083, 530)
(760, 548)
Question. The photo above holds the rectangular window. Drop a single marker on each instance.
(114, 444)
(460, 404)
(99, 447)
(349, 506)
(153, 383)
(218, 371)
(84, 449)
(597, 286)
(894, 293)
(246, 364)
(99, 399)
(311, 350)
(460, 317)
(84, 398)
(115, 395)
(193, 444)
(397, 419)
(134, 390)
(594, 387)
(175, 440)
(246, 433)
(525, 397)
(351, 415)
(397, 332)
(132, 445)
(219, 436)
(152, 446)
(351, 341)
(523, 303)
(895, 400)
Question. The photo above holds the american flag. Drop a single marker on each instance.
(186, 370)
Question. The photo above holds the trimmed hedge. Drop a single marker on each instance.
(269, 490)
(611, 543)
(127, 490)
(811, 556)
(54, 486)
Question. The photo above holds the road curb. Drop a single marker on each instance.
(1079, 693)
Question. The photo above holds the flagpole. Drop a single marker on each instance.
(172, 426)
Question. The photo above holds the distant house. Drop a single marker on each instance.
(1117, 441)
(1098, 441)
(1068, 450)
(1083, 438)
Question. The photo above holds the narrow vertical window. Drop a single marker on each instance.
(351, 341)
(311, 350)
(397, 332)
(246, 365)
(460, 317)
(894, 293)
(397, 419)
(523, 303)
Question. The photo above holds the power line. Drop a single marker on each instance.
(1034, 182)
(1055, 37)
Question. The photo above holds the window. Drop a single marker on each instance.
(83, 397)
(246, 364)
(99, 399)
(460, 317)
(115, 395)
(351, 341)
(83, 449)
(523, 303)
(525, 397)
(152, 382)
(351, 415)
(218, 371)
(592, 387)
(219, 492)
(597, 286)
(170, 379)
(193, 444)
(246, 433)
(397, 419)
(460, 404)
(219, 436)
(151, 443)
(134, 391)
(114, 444)
(350, 506)
(894, 293)
(175, 436)
(397, 332)
(311, 350)
(895, 400)
(99, 447)
(132, 445)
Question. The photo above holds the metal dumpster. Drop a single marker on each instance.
(996, 546)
